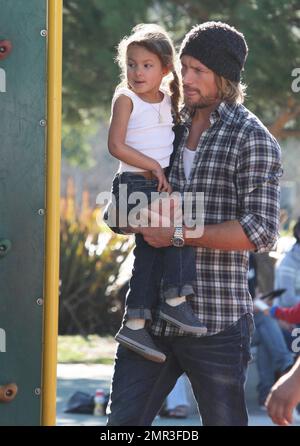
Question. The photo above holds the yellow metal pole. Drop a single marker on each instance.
(52, 211)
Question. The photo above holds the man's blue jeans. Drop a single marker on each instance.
(215, 365)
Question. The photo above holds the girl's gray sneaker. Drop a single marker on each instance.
(183, 317)
(140, 342)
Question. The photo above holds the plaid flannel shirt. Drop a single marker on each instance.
(237, 166)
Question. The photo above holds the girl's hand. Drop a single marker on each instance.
(163, 185)
(170, 189)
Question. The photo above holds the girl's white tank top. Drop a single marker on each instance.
(149, 129)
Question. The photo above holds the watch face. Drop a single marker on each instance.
(178, 242)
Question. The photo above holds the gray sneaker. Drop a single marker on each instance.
(183, 317)
(140, 342)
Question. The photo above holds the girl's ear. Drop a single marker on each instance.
(166, 70)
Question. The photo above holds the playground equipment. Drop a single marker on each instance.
(30, 135)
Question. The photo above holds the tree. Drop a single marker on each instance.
(272, 31)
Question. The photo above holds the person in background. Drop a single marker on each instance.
(287, 276)
(287, 273)
(290, 315)
(273, 357)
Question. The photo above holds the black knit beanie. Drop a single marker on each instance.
(218, 46)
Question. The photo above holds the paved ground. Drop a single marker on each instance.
(88, 378)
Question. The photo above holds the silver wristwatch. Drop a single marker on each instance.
(177, 239)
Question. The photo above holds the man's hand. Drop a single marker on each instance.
(158, 237)
(283, 398)
(158, 228)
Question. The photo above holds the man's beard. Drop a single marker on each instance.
(204, 102)
(201, 105)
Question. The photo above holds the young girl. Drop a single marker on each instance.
(141, 137)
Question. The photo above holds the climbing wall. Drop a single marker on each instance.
(23, 124)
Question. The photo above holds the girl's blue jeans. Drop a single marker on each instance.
(172, 268)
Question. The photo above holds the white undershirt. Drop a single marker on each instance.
(188, 159)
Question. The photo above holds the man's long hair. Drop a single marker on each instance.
(229, 91)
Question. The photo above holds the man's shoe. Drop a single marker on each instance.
(140, 342)
(183, 317)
